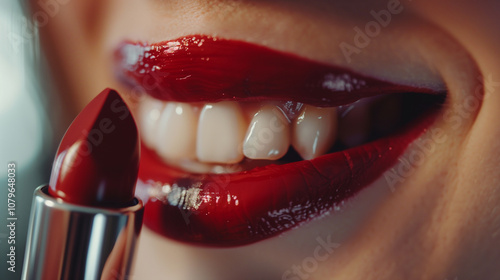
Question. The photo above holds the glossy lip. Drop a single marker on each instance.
(237, 209)
(207, 69)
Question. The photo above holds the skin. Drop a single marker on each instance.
(442, 221)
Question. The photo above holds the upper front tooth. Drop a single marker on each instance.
(268, 136)
(177, 132)
(221, 130)
(149, 112)
(314, 131)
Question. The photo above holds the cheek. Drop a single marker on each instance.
(71, 40)
(82, 12)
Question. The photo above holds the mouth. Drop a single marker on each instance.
(241, 143)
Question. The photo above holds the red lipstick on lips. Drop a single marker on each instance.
(247, 207)
(85, 223)
(202, 68)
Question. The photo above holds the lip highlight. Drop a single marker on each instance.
(225, 210)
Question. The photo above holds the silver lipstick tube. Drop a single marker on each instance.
(68, 241)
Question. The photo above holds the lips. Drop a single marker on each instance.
(240, 208)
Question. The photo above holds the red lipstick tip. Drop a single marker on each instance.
(98, 158)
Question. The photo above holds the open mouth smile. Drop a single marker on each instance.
(241, 142)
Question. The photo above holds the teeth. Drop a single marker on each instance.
(221, 130)
(177, 132)
(314, 131)
(206, 138)
(268, 136)
(149, 112)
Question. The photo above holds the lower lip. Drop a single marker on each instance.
(226, 210)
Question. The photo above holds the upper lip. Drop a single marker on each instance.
(207, 69)
(246, 207)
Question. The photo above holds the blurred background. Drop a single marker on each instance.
(26, 133)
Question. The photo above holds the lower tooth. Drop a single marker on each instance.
(221, 129)
(177, 132)
(314, 131)
(149, 115)
(268, 136)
